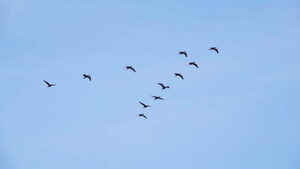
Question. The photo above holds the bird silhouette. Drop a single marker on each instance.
(194, 64)
(142, 115)
(157, 98)
(131, 68)
(183, 53)
(144, 105)
(48, 84)
(215, 49)
(179, 75)
(163, 86)
(87, 76)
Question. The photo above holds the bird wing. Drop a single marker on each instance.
(47, 83)
(193, 63)
(162, 85)
(143, 104)
(132, 69)
(216, 50)
(144, 116)
(90, 78)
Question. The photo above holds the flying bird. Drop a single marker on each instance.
(157, 98)
(131, 68)
(183, 53)
(179, 75)
(142, 115)
(194, 64)
(49, 85)
(163, 86)
(87, 76)
(144, 105)
(215, 49)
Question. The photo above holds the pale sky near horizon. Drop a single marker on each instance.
(239, 110)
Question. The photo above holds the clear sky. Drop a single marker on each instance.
(239, 110)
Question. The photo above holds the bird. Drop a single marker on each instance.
(131, 68)
(179, 75)
(194, 64)
(49, 85)
(215, 49)
(87, 76)
(183, 53)
(163, 86)
(144, 105)
(142, 115)
(157, 98)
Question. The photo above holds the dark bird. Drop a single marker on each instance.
(157, 98)
(87, 76)
(179, 75)
(215, 49)
(142, 115)
(49, 85)
(144, 105)
(131, 68)
(163, 86)
(183, 53)
(194, 64)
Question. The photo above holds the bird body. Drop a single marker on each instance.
(194, 64)
(144, 105)
(157, 98)
(131, 68)
(142, 115)
(179, 75)
(163, 86)
(87, 76)
(49, 84)
(183, 53)
(214, 49)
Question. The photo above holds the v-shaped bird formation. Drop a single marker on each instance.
(163, 86)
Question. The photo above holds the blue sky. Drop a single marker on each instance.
(239, 110)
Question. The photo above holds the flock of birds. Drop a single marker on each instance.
(163, 87)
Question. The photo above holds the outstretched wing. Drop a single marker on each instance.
(132, 69)
(47, 83)
(162, 85)
(185, 54)
(216, 50)
(143, 104)
(144, 116)
(194, 64)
